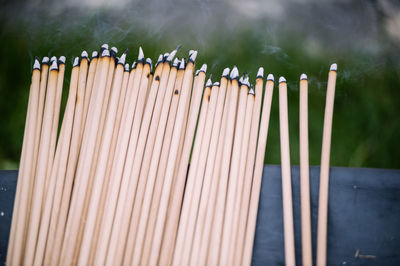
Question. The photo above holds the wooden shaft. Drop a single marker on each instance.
(248, 174)
(165, 194)
(225, 255)
(134, 99)
(324, 174)
(155, 202)
(306, 246)
(288, 228)
(21, 198)
(191, 181)
(210, 183)
(257, 177)
(216, 235)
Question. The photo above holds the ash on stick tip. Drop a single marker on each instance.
(234, 73)
(171, 55)
(245, 80)
(53, 58)
(225, 73)
(141, 54)
(54, 65)
(191, 52)
(122, 59)
(36, 64)
(126, 67)
(193, 56)
(251, 90)
(282, 80)
(333, 67)
(114, 50)
(105, 53)
(260, 73)
(182, 65)
(95, 54)
(203, 68)
(148, 61)
(62, 60)
(159, 60)
(209, 82)
(165, 56)
(134, 65)
(197, 72)
(270, 77)
(84, 54)
(76, 62)
(104, 47)
(175, 63)
(303, 77)
(216, 83)
(45, 60)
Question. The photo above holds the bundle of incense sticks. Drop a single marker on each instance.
(150, 167)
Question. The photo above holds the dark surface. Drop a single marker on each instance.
(364, 215)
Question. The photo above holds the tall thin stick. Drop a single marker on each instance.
(324, 175)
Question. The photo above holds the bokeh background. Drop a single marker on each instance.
(285, 37)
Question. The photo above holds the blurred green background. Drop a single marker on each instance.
(287, 38)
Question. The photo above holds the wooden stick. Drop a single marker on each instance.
(137, 229)
(56, 117)
(134, 108)
(38, 189)
(226, 244)
(77, 208)
(54, 243)
(241, 177)
(248, 174)
(21, 199)
(288, 228)
(155, 203)
(98, 180)
(324, 175)
(178, 128)
(216, 235)
(205, 235)
(258, 168)
(191, 182)
(209, 183)
(304, 175)
(128, 76)
(60, 161)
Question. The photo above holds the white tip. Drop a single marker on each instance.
(209, 83)
(54, 65)
(260, 72)
(182, 65)
(165, 56)
(76, 62)
(303, 76)
(160, 58)
(282, 79)
(176, 62)
(245, 81)
(105, 53)
(62, 59)
(95, 54)
(84, 54)
(197, 72)
(45, 60)
(172, 55)
(234, 73)
(270, 77)
(216, 83)
(105, 46)
(203, 68)
(126, 67)
(225, 73)
(191, 52)
(114, 49)
(36, 64)
(251, 91)
(148, 61)
(333, 67)
(141, 54)
(134, 64)
(53, 58)
(193, 56)
(122, 59)
(241, 79)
